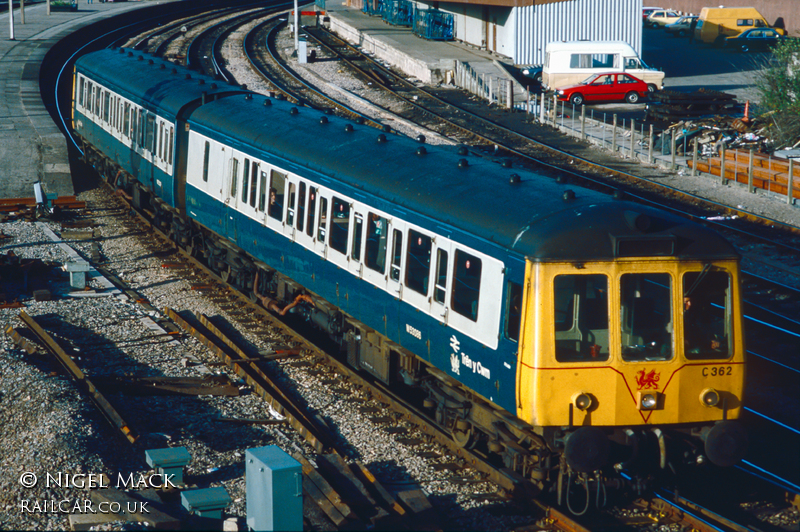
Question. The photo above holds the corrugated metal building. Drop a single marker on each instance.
(520, 29)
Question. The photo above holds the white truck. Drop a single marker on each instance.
(570, 62)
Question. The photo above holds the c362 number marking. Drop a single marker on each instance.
(717, 371)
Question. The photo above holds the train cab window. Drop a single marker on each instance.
(375, 256)
(262, 192)
(440, 285)
(340, 225)
(646, 316)
(206, 151)
(513, 311)
(323, 219)
(150, 135)
(312, 206)
(301, 207)
(580, 318)
(245, 180)
(418, 262)
(707, 315)
(253, 183)
(397, 254)
(358, 231)
(466, 285)
(234, 177)
(276, 194)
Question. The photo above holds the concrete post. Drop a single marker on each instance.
(694, 158)
(650, 147)
(790, 192)
(722, 165)
(11, 18)
(541, 111)
(614, 133)
(555, 110)
(672, 150)
(633, 138)
(750, 186)
(583, 122)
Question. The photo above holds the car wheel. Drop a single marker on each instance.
(538, 78)
(651, 88)
(576, 99)
(719, 42)
(681, 33)
(744, 48)
(632, 97)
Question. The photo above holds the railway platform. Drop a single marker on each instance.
(32, 147)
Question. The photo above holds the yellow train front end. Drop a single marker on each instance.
(616, 354)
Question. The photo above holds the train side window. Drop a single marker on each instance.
(323, 219)
(580, 317)
(312, 206)
(149, 141)
(126, 120)
(358, 229)
(466, 285)
(301, 206)
(377, 234)
(707, 315)
(276, 194)
(418, 261)
(121, 116)
(290, 207)
(397, 254)
(88, 99)
(253, 183)
(96, 99)
(106, 105)
(171, 143)
(513, 310)
(206, 152)
(340, 225)
(245, 180)
(81, 88)
(161, 140)
(234, 177)
(262, 192)
(646, 316)
(440, 286)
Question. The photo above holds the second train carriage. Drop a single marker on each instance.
(534, 316)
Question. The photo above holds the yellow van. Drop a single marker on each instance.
(717, 23)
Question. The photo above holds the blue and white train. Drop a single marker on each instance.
(539, 320)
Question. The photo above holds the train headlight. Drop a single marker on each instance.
(709, 397)
(647, 400)
(582, 401)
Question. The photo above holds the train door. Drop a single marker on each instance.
(355, 261)
(376, 249)
(321, 225)
(232, 194)
(417, 279)
(394, 280)
(339, 231)
(304, 223)
(291, 209)
(442, 279)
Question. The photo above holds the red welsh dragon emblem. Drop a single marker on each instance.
(647, 380)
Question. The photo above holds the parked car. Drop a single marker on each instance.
(681, 27)
(533, 72)
(754, 39)
(647, 10)
(661, 17)
(607, 87)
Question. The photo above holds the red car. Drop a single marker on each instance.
(609, 87)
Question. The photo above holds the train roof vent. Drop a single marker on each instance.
(151, 62)
(130, 54)
(188, 76)
(381, 138)
(506, 163)
(463, 150)
(569, 195)
(140, 58)
(201, 82)
(463, 163)
(294, 111)
(420, 139)
(514, 179)
(349, 128)
(267, 102)
(421, 150)
(323, 120)
(387, 128)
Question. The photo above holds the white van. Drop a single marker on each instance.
(570, 62)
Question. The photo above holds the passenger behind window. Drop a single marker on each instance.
(275, 204)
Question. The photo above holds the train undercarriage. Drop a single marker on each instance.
(576, 466)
